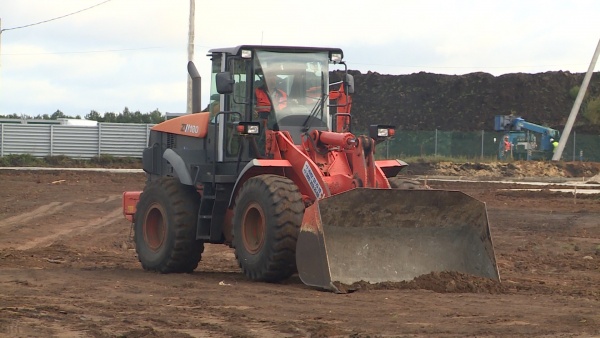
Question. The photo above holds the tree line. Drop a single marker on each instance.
(126, 116)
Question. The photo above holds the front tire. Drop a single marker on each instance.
(165, 227)
(267, 217)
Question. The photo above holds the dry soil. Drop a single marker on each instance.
(68, 269)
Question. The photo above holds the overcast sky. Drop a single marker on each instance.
(133, 53)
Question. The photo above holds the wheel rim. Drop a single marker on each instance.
(155, 227)
(253, 228)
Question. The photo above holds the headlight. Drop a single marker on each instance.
(248, 128)
(382, 132)
(246, 54)
(336, 57)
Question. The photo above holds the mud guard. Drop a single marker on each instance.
(393, 235)
(179, 166)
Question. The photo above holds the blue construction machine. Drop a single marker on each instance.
(528, 141)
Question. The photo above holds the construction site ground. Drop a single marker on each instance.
(68, 268)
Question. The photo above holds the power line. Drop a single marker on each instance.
(60, 17)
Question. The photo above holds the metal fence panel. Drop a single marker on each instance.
(122, 140)
(26, 139)
(126, 140)
(74, 141)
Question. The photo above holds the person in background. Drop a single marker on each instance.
(554, 144)
(507, 147)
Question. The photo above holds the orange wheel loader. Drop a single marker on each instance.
(272, 169)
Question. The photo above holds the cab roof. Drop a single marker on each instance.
(292, 49)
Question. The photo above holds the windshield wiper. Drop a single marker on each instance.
(318, 107)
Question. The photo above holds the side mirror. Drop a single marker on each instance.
(224, 83)
(350, 84)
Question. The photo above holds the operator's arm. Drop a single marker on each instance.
(263, 103)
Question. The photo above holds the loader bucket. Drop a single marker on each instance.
(392, 235)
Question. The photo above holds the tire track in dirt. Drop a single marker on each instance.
(105, 199)
(72, 229)
(32, 236)
(44, 210)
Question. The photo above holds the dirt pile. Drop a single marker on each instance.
(595, 179)
(441, 282)
(426, 101)
(519, 169)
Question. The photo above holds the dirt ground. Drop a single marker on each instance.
(68, 269)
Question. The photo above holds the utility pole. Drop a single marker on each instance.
(190, 54)
(0, 53)
(586, 80)
(0, 41)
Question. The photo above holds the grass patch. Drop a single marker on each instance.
(116, 162)
(21, 160)
(103, 161)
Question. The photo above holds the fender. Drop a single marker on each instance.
(255, 164)
(179, 166)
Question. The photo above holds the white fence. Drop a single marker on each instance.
(116, 139)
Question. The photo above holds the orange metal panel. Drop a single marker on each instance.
(195, 125)
(273, 163)
(390, 163)
(130, 199)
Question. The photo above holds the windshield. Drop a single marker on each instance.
(294, 85)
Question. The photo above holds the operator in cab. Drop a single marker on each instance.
(268, 94)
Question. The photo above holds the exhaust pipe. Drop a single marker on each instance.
(196, 87)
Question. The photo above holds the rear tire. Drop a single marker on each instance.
(267, 217)
(400, 182)
(165, 227)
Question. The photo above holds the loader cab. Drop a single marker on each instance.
(298, 74)
(297, 86)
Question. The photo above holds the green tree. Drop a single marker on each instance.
(155, 117)
(592, 110)
(110, 117)
(58, 115)
(93, 116)
(11, 116)
(127, 116)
